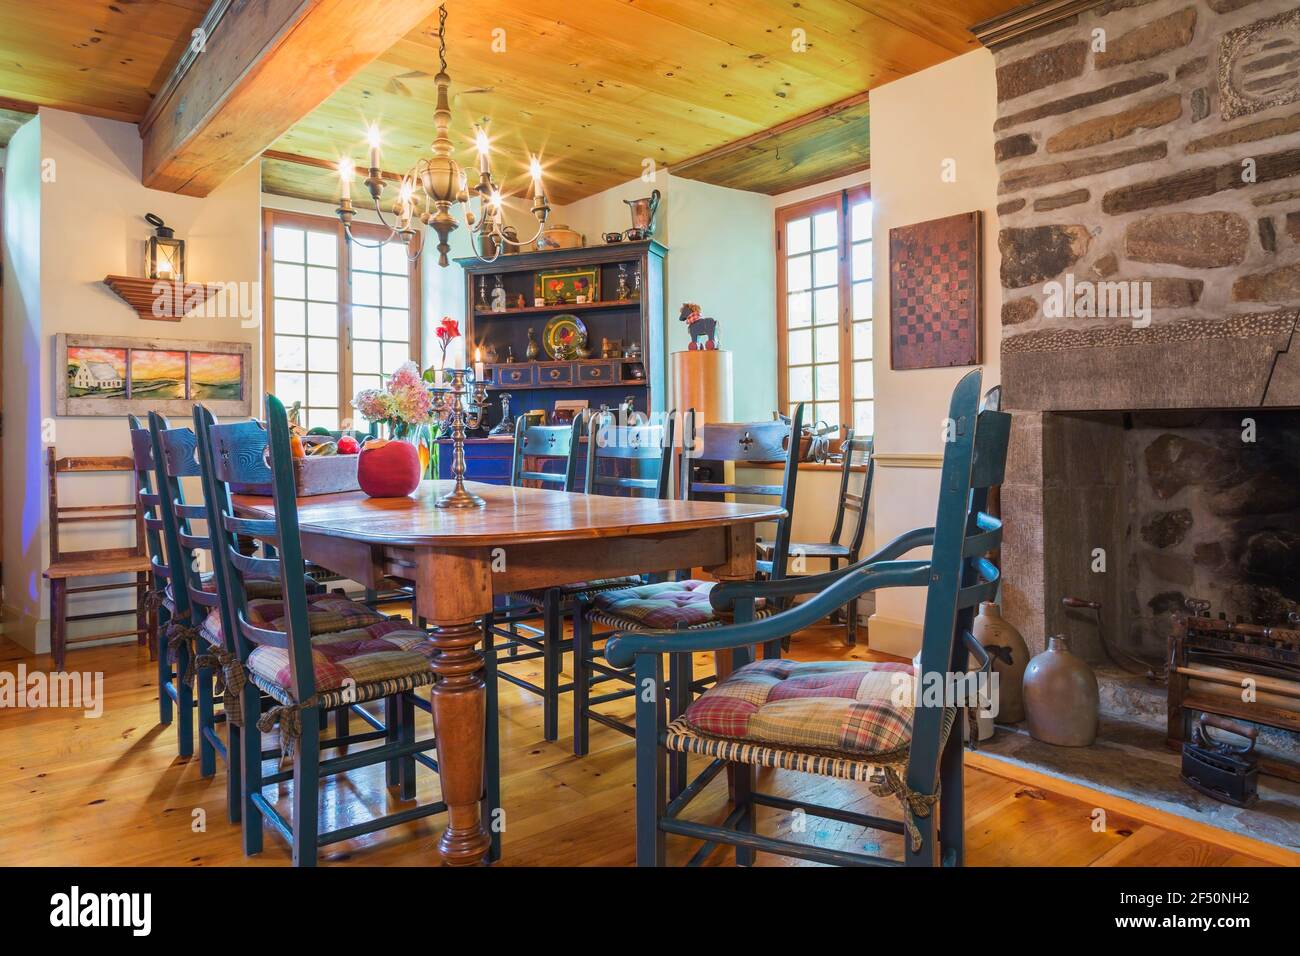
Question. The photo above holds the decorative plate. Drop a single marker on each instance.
(562, 335)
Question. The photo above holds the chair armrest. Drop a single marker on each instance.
(623, 647)
(980, 651)
(724, 594)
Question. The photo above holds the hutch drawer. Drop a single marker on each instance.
(515, 376)
(597, 373)
(559, 373)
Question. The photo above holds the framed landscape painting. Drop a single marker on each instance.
(934, 293)
(115, 376)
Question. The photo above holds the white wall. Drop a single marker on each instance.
(721, 255)
(945, 112)
(24, 543)
(91, 224)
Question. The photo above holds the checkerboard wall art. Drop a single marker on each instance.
(934, 293)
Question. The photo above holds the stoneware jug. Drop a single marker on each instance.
(1061, 698)
(992, 630)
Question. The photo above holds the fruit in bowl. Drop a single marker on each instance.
(347, 445)
(388, 469)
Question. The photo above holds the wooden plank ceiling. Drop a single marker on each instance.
(101, 57)
(712, 89)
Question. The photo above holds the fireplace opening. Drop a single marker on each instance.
(1154, 509)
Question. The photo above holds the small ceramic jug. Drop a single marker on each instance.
(992, 630)
(1061, 697)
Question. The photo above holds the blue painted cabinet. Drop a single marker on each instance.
(486, 459)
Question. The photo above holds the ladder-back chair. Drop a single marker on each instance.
(683, 604)
(545, 456)
(67, 565)
(310, 655)
(170, 688)
(856, 474)
(628, 459)
(741, 445)
(860, 723)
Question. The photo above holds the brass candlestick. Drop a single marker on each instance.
(459, 405)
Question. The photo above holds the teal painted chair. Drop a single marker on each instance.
(174, 697)
(683, 604)
(310, 654)
(549, 456)
(850, 720)
(857, 473)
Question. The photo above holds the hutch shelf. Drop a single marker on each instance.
(537, 385)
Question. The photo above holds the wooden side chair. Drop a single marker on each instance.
(683, 604)
(71, 565)
(841, 719)
(854, 499)
(741, 445)
(621, 460)
(548, 455)
(172, 693)
(310, 655)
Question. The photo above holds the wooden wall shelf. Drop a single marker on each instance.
(151, 302)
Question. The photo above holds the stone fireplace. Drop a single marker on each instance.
(1149, 161)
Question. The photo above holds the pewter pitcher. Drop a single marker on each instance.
(643, 212)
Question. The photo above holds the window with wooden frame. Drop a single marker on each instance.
(339, 316)
(824, 313)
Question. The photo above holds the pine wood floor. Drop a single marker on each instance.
(111, 791)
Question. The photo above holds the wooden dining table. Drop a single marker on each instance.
(458, 560)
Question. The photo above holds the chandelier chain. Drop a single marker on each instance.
(442, 38)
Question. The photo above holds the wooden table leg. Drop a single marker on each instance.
(453, 591)
(459, 708)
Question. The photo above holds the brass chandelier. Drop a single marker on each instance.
(437, 183)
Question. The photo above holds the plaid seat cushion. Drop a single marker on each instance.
(581, 589)
(326, 613)
(385, 652)
(835, 708)
(668, 605)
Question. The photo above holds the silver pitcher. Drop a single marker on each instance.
(643, 213)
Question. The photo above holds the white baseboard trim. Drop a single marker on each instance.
(892, 635)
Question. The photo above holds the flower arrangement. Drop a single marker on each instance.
(405, 406)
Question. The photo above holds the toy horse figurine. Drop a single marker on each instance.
(698, 326)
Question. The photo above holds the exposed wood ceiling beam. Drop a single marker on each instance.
(264, 66)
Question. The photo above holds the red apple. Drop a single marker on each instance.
(348, 445)
(388, 469)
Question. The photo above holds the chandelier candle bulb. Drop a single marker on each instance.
(345, 180)
(373, 135)
(481, 141)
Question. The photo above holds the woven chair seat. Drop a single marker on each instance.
(823, 717)
(352, 666)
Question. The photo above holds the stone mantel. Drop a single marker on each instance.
(1243, 362)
